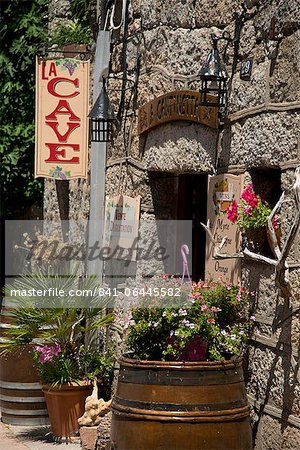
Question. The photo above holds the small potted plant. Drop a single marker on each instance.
(72, 37)
(59, 336)
(251, 216)
(183, 376)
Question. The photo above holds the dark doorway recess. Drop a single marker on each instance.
(267, 183)
(192, 205)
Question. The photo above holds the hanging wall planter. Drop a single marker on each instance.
(71, 50)
(258, 240)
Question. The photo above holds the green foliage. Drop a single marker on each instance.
(252, 213)
(61, 369)
(258, 217)
(23, 29)
(61, 325)
(98, 363)
(82, 10)
(79, 29)
(216, 314)
(82, 363)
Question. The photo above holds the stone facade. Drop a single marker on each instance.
(165, 45)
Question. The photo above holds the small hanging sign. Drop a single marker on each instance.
(62, 98)
(222, 189)
(246, 69)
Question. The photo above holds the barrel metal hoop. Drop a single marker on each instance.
(137, 364)
(12, 399)
(202, 416)
(220, 408)
(180, 377)
(24, 412)
(20, 386)
(25, 420)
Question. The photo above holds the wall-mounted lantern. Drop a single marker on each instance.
(102, 118)
(213, 75)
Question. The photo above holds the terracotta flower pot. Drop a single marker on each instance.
(71, 50)
(65, 405)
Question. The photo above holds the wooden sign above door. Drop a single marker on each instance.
(174, 106)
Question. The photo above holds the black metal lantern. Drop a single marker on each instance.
(102, 118)
(213, 76)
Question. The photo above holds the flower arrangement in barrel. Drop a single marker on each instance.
(212, 321)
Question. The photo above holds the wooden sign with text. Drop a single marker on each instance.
(121, 226)
(222, 189)
(173, 106)
(62, 96)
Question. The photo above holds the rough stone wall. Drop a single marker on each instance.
(167, 43)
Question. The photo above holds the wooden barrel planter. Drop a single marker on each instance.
(180, 405)
(22, 401)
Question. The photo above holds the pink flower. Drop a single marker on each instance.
(47, 352)
(250, 197)
(247, 210)
(210, 320)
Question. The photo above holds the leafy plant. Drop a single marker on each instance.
(62, 328)
(72, 33)
(252, 212)
(215, 314)
(23, 29)
(99, 364)
(84, 10)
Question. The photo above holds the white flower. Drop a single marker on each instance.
(176, 333)
(241, 332)
(182, 312)
(132, 322)
(191, 325)
(233, 337)
(223, 332)
(252, 318)
(185, 322)
(155, 324)
(164, 314)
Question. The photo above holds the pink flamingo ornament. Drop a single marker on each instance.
(185, 269)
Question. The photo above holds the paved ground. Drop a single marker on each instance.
(34, 438)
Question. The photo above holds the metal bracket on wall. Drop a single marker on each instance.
(62, 191)
(44, 52)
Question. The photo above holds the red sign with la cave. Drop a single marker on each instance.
(62, 87)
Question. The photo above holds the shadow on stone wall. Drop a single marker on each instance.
(280, 360)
